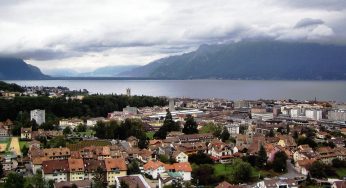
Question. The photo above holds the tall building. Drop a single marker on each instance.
(128, 91)
(314, 114)
(171, 105)
(38, 115)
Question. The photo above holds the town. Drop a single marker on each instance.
(138, 141)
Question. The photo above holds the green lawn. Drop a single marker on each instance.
(150, 135)
(223, 169)
(227, 169)
(8, 144)
(86, 133)
(22, 144)
(341, 172)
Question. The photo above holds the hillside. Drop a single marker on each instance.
(252, 60)
(17, 69)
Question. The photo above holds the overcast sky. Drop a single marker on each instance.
(86, 34)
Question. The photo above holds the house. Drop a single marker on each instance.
(76, 169)
(278, 183)
(133, 181)
(339, 184)
(9, 163)
(271, 150)
(93, 121)
(90, 167)
(154, 168)
(225, 184)
(286, 141)
(36, 163)
(183, 169)
(220, 151)
(72, 123)
(306, 153)
(4, 132)
(321, 135)
(303, 165)
(57, 153)
(56, 170)
(69, 184)
(133, 141)
(180, 156)
(196, 137)
(115, 167)
(25, 133)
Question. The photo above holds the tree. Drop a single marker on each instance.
(203, 175)
(190, 126)
(279, 162)
(67, 130)
(25, 150)
(270, 133)
(56, 142)
(306, 140)
(99, 178)
(168, 126)
(317, 170)
(123, 184)
(262, 158)
(242, 172)
(1, 171)
(337, 163)
(143, 142)
(169, 123)
(81, 128)
(295, 135)
(14, 180)
(225, 134)
(133, 168)
(200, 158)
(216, 130)
(38, 180)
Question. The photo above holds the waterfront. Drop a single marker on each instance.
(228, 89)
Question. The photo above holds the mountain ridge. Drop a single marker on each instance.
(17, 69)
(256, 60)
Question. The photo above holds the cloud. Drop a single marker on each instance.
(86, 34)
(308, 22)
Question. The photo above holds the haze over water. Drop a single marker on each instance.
(227, 89)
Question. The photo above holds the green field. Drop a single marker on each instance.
(150, 135)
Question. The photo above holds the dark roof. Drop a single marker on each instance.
(51, 166)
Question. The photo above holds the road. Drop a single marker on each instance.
(291, 171)
(14, 146)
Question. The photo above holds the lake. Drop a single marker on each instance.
(227, 89)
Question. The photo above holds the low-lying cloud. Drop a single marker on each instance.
(84, 34)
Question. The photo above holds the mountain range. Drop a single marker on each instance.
(241, 60)
(17, 69)
(251, 60)
(107, 71)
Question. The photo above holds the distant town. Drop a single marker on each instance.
(54, 137)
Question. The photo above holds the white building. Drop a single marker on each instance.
(233, 129)
(262, 116)
(313, 114)
(93, 121)
(72, 123)
(337, 115)
(38, 115)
